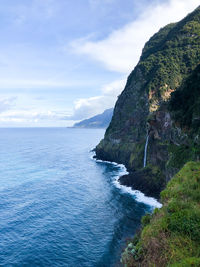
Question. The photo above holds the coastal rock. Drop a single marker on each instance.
(150, 181)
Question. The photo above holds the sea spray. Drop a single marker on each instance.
(138, 195)
(145, 151)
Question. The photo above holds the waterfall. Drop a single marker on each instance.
(145, 151)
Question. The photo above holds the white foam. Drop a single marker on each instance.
(138, 195)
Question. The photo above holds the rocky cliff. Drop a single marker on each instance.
(159, 102)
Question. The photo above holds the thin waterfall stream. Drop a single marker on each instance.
(145, 151)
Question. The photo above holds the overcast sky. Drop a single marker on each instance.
(66, 60)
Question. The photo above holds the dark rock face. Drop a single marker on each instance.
(150, 182)
(144, 108)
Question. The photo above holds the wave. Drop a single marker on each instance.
(138, 195)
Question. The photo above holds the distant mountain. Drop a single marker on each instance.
(98, 121)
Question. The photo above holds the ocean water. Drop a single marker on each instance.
(59, 207)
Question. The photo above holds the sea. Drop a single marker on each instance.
(59, 206)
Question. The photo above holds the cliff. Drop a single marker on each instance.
(171, 235)
(98, 121)
(157, 102)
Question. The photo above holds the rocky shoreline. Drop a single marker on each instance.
(149, 181)
(139, 180)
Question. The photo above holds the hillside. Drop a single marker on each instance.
(98, 121)
(157, 110)
(171, 236)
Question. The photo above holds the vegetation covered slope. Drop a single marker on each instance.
(184, 108)
(185, 103)
(171, 236)
(143, 108)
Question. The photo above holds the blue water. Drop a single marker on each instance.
(58, 207)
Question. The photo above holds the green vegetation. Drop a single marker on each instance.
(171, 235)
(179, 155)
(185, 103)
(184, 107)
(170, 56)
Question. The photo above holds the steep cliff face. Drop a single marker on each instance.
(146, 108)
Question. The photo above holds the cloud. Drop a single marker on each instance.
(6, 103)
(30, 83)
(87, 107)
(121, 50)
(31, 116)
(35, 9)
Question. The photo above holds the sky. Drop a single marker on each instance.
(62, 61)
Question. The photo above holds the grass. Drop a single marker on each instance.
(171, 235)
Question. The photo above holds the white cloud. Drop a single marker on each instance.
(31, 116)
(87, 107)
(6, 103)
(29, 83)
(121, 50)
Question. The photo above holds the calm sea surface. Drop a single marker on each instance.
(58, 207)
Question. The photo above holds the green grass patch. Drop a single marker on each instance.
(171, 235)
